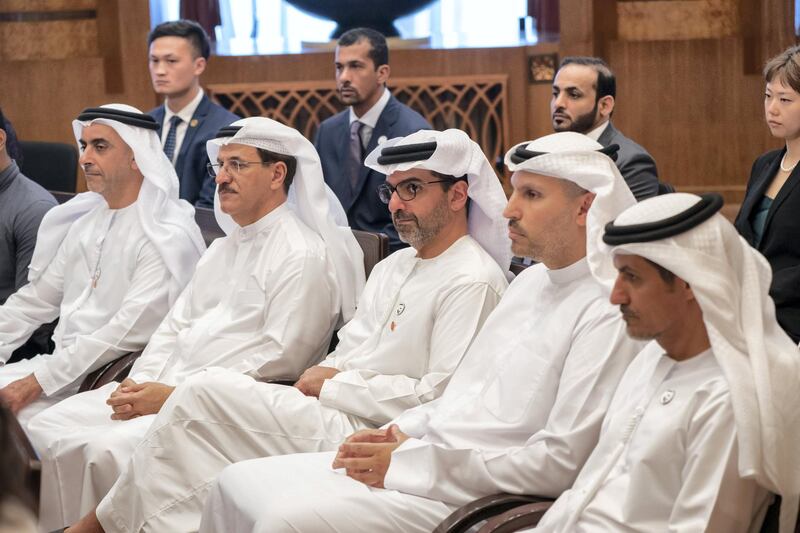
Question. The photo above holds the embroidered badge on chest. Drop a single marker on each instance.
(398, 311)
(667, 396)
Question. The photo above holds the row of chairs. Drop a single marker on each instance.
(374, 245)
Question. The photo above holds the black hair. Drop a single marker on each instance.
(189, 30)
(12, 466)
(606, 81)
(13, 148)
(378, 51)
(290, 162)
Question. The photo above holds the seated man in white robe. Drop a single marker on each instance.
(108, 263)
(419, 311)
(706, 420)
(522, 412)
(263, 301)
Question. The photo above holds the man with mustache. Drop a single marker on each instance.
(374, 115)
(521, 413)
(108, 263)
(420, 309)
(704, 423)
(263, 301)
(584, 93)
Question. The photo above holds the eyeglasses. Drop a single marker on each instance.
(233, 167)
(407, 190)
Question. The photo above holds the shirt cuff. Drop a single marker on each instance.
(45, 378)
(329, 392)
(404, 467)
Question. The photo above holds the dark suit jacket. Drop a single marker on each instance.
(634, 163)
(196, 186)
(780, 243)
(364, 209)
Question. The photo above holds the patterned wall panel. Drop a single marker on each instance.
(475, 104)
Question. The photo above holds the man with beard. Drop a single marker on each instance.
(524, 408)
(420, 309)
(584, 92)
(362, 70)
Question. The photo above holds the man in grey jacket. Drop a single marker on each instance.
(584, 92)
(23, 203)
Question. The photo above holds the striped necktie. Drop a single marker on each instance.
(169, 144)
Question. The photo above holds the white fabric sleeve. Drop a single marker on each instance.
(381, 397)
(550, 460)
(145, 303)
(713, 497)
(161, 347)
(34, 304)
(299, 318)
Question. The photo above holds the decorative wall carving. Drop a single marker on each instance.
(476, 104)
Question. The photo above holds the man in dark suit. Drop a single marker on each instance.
(374, 115)
(178, 54)
(583, 101)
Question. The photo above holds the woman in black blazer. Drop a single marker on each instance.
(769, 218)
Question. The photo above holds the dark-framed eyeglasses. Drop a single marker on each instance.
(407, 190)
(233, 167)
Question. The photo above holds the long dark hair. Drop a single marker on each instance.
(12, 466)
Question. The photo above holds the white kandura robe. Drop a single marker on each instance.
(100, 320)
(666, 459)
(263, 300)
(521, 414)
(415, 320)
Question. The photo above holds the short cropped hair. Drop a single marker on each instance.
(786, 67)
(378, 51)
(290, 162)
(189, 30)
(606, 81)
(12, 144)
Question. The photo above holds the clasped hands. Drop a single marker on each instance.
(310, 381)
(132, 400)
(366, 454)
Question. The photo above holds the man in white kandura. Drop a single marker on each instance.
(706, 419)
(522, 412)
(264, 301)
(419, 311)
(108, 263)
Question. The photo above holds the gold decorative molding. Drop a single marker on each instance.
(476, 104)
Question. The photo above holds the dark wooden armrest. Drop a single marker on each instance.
(116, 370)
(521, 517)
(482, 509)
(33, 475)
(278, 381)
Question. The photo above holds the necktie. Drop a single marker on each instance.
(356, 155)
(169, 144)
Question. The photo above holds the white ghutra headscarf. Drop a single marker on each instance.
(455, 154)
(731, 282)
(167, 221)
(309, 198)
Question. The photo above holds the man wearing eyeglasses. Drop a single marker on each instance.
(263, 301)
(418, 314)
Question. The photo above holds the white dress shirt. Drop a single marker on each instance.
(186, 115)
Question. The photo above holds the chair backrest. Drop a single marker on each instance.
(208, 224)
(375, 247)
(116, 370)
(61, 196)
(665, 188)
(54, 166)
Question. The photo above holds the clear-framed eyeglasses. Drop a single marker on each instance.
(407, 189)
(233, 167)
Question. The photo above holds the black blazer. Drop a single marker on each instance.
(364, 209)
(196, 185)
(780, 243)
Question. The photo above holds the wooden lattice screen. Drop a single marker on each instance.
(476, 104)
